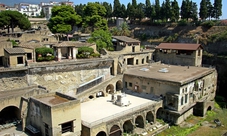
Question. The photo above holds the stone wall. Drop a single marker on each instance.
(65, 78)
(12, 80)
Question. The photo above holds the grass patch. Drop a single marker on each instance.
(197, 129)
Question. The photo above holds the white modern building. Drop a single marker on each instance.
(31, 10)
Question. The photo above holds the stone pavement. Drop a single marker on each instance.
(13, 131)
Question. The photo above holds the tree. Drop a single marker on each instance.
(140, 11)
(187, 9)
(123, 11)
(94, 14)
(102, 38)
(153, 13)
(194, 11)
(217, 8)
(175, 11)
(63, 19)
(130, 11)
(122, 30)
(147, 8)
(209, 9)
(203, 11)
(157, 9)
(79, 9)
(94, 9)
(12, 19)
(167, 10)
(134, 4)
(108, 8)
(163, 12)
(117, 8)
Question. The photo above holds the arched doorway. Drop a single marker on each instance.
(110, 89)
(99, 94)
(119, 85)
(10, 114)
(209, 108)
(160, 114)
(91, 97)
(115, 131)
(128, 127)
(139, 122)
(101, 133)
(150, 117)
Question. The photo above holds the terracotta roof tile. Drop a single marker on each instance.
(179, 46)
(15, 50)
(125, 39)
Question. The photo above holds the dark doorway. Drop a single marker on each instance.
(150, 117)
(110, 89)
(139, 122)
(128, 127)
(10, 114)
(133, 48)
(115, 131)
(119, 85)
(101, 134)
(1, 61)
(99, 94)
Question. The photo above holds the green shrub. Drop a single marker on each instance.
(96, 55)
(208, 24)
(172, 38)
(85, 49)
(182, 23)
(47, 58)
(44, 51)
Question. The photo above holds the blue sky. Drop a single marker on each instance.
(125, 2)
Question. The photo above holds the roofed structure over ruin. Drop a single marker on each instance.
(179, 46)
(15, 50)
(125, 39)
(170, 73)
(72, 44)
(53, 99)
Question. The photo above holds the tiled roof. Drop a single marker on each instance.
(15, 50)
(125, 39)
(179, 46)
(30, 45)
(72, 44)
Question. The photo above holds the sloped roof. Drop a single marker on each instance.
(30, 45)
(15, 50)
(125, 39)
(72, 44)
(179, 46)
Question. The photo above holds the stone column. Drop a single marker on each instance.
(59, 54)
(70, 52)
(74, 53)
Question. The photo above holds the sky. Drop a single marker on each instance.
(125, 2)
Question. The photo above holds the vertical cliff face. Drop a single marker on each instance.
(220, 63)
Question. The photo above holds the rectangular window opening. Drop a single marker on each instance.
(67, 127)
(20, 60)
(29, 56)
